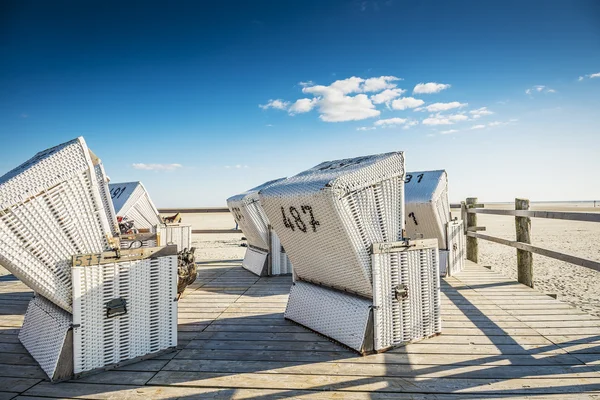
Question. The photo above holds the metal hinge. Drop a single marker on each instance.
(116, 307)
(401, 292)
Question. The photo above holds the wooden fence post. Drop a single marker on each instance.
(524, 258)
(472, 245)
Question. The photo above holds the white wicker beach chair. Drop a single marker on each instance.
(265, 256)
(124, 310)
(131, 201)
(52, 207)
(329, 218)
(177, 234)
(428, 216)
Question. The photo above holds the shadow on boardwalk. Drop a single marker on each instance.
(500, 339)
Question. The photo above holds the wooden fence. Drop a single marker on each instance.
(202, 210)
(469, 210)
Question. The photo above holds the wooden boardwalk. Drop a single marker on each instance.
(500, 339)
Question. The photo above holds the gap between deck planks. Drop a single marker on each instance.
(499, 338)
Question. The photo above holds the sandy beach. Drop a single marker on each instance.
(577, 285)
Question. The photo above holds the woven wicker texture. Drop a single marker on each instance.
(250, 216)
(456, 247)
(179, 234)
(427, 206)
(255, 261)
(149, 288)
(399, 321)
(51, 208)
(131, 201)
(280, 263)
(328, 216)
(102, 180)
(44, 331)
(338, 315)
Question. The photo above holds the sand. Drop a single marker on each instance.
(577, 285)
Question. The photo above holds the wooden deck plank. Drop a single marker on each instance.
(499, 338)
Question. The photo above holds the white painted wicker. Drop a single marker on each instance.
(255, 261)
(280, 263)
(131, 201)
(406, 283)
(103, 180)
(45, 335)
(178, 234)
(252, 220)
(328, 216)
(51, 208)
(250, 216)
(456, 247)
(427, 206)
(149, 288)
(341, 316)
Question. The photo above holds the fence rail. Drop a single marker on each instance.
(522, 214)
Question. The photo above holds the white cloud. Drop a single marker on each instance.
(495, 123)
(539, 89)
(439, 119)
(307, 83)
(237, 166)
(449, 131)
(590, 76)
(430, 135)
(409, 124)
(436, 107)
(349, 85)
(387, 95)
(335, 106)
(366, 128)
(390, 122)
(430, 87)
(277, 104)
(156, 167)
(478, 127)
(379, 84)
(480, 112)
(303, 106)
(406, 102)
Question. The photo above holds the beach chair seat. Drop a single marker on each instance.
(428, 216)
(329, 218)
(264, 256)
(51, 207)
(124, 310)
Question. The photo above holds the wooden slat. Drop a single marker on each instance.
(571, 216)
(538, 250)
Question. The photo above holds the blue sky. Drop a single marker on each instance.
(199, 100)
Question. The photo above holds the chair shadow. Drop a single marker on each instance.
(227, 343)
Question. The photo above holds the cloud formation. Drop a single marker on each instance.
(478, 127)
(479, 112)
(589, 76)
(430, 87)
(437, 107)
(390, 122)
(406, 102)
(277, 104)
(156, 167)
(366, 128)
(387, 95)
(539, 89)
(439, 119)
(449, 131)
(303, 106)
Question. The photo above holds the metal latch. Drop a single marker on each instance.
(401, 292)
(116, 307)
